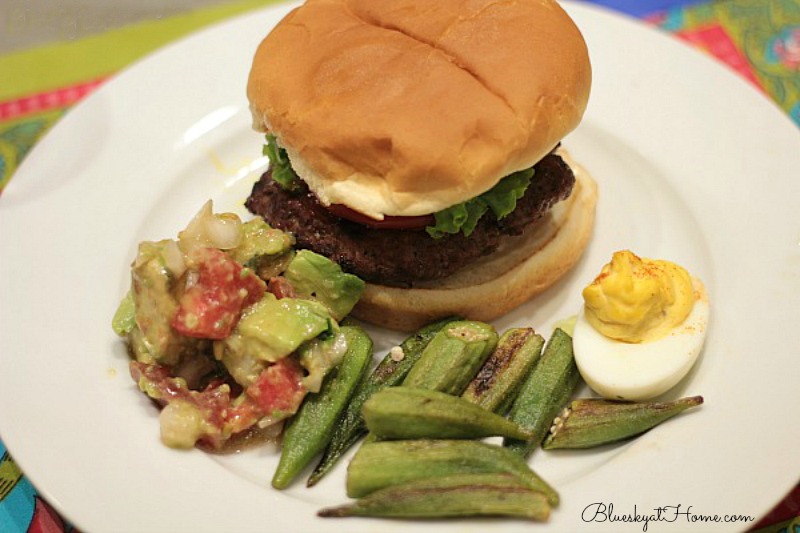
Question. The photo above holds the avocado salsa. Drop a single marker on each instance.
(229, 327)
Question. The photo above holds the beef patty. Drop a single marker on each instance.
(401, 257)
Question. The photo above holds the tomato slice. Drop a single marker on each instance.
(278, 391)
(388, 222)
(211, 308)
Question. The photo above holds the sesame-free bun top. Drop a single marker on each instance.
(406, 107)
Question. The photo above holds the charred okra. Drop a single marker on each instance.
(382, 464)
(452, 496)
(408, 413)
(453, 357)
(592, 422)
(310, 429)
(391, 371)
(499, 379)
(545, 392)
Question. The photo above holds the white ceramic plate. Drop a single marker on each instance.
(694, 165)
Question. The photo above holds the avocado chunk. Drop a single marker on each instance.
(316, 277)
(154, 306)
(125, 318)
(265, 249)
(321, 355)
(271, 329)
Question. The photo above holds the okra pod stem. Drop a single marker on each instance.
(591, 422)
(545, 392)
(310, 429)
(451, 496)
(453, 357)
(390, 372)
(499, 379)
(409, 413)
(382, 464)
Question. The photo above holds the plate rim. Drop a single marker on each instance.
(109, 87)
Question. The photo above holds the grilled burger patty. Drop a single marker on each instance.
(400, 257)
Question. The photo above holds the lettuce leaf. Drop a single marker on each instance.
(501, 199)
(282, 171)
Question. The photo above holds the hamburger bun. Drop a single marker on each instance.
(404, 108)
(478, 89)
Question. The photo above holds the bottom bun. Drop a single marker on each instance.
(522, 267)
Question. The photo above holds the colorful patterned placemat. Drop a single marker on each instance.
(759, 39)
(39, 85)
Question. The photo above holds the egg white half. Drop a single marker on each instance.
(626, 371)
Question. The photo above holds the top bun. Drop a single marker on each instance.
(406, 107)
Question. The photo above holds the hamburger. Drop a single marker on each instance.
(417, 144)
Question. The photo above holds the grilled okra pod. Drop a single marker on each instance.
(591, 422)
(545, 392)
(499, 379)
(391, 371)
(382, 464)
(310, 429)
(453, 357)
(408, 413)
(452, 496)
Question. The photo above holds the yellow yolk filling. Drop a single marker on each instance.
(638, 300)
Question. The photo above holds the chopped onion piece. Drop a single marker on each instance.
(191, 279)
(224, 231)
(207, 230)
(173, 259)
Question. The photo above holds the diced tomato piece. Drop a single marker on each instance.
(279, 390)
(211, 308)
(242, 414)
(281, 287)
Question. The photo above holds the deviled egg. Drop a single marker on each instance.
(641, 329)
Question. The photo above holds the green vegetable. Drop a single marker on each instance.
(501, 199)
(382, 464)
(318, 278)
(318, 356)
(263, 248)
(271, 328)
(499, 379)
(545, 392)
(310, 430)
(461, 217)
(153, 339)
(453, 357)
(125, 318)
(408, 413)
(592, 422)
(459, 495)
(390, 372)
(282, 171)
